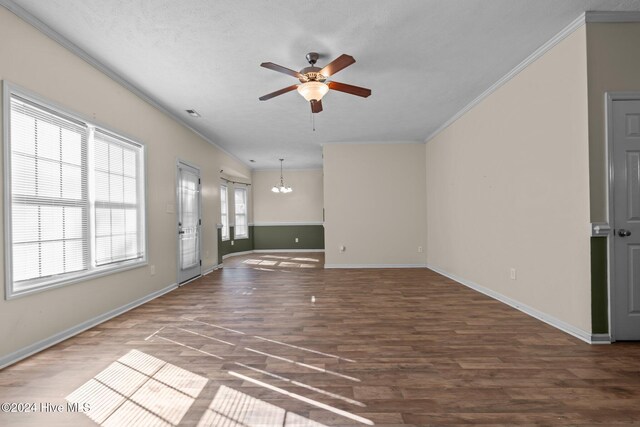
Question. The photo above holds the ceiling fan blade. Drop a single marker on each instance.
(281, 69)
(353, 90)
(341, 62)
(316, 106)
(278, 92)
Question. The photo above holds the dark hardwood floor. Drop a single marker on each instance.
(248, 347)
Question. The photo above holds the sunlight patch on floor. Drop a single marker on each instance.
(139, 389)
(304, 365)
(303, 385)
(283, 264)
(301, 398)
(232, 408)
(260, 262)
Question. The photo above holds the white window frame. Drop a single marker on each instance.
(224, 213)
(42, 284)
(245, 214)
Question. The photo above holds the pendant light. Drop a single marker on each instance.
(281, 188)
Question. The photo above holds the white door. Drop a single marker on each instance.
(626, 222)
(189, 263)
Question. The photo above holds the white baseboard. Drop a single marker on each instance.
(375, 266)
(274, 251)
(286, 224)
(29, 350)
(546, 318)
(193, 279)
(211, 269)
(600, 339)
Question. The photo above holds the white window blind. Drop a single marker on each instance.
(224, 211)
(49, 209)
(241, 230)
(75, 197)
(117, 200)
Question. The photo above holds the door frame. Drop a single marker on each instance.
(610, 98)
(177, 229)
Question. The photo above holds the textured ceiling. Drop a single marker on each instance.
(424, 61)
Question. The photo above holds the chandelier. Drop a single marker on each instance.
(281, 188)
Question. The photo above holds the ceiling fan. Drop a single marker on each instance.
(313, 80)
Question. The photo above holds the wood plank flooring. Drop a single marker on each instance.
(248, 347)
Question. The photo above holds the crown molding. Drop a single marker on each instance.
(585, 17)
(371, 142)
(564, 33)
(23, 14)
(277, 169)
(602, 17)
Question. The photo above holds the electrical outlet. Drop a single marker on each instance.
(232, 243)
(296, 240)
(152, 270)
(512, 274)
(420, 249)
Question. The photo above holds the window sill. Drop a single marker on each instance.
(59, 283)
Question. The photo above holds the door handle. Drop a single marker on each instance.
(624, 233)
(181, 232)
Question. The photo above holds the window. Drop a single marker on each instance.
(74, 201)
(242, 230)
(224, 211)
(117, 205)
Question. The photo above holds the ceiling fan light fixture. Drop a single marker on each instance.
(313, 90)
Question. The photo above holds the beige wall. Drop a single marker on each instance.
(613, 64)
(37, 63)
(508, 187)
(374, 198)
(303, 205)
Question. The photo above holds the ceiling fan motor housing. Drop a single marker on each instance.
(311, 74)
(312, 57)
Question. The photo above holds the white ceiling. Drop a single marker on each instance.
(423, 59)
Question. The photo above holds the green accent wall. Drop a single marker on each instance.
(273, 237)
(239, 245)
(599, 294)
(284, 237)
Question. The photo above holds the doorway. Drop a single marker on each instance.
(189, 222)
(624, 215)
